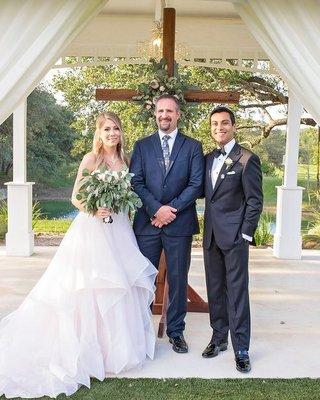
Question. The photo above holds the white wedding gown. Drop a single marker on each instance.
(88, 315)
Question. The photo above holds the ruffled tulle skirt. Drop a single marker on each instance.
(88, 315)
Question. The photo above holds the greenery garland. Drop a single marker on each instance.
(160, 84)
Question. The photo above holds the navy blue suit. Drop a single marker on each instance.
(178, 187)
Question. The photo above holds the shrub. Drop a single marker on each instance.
(36, 216)
(198, 237)
(263, 235)
(312, 238)
(3, 219)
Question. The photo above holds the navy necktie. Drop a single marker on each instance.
(166, 150)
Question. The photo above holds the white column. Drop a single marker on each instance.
(287, 239)
(20, 238)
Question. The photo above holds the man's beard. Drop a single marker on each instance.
(167, 125)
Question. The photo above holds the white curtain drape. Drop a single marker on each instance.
(289, 32)
(33, 34)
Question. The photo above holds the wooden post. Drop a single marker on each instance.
(169, 26)
(169, 33)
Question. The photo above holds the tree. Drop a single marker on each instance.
(6, 147)
(263, 94)
(49, 137)
(308, 155)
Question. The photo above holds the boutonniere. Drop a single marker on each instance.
(228, 162)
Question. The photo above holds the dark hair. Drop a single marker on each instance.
(168, 96)
(220, 109)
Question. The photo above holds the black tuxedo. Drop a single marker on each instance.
(233, 208)
(178, 187)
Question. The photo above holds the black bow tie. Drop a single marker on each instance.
(217, 152)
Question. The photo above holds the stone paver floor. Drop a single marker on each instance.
(285, 308)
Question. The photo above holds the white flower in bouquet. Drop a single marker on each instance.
(123, 173)
(116, 176)
(101, 176)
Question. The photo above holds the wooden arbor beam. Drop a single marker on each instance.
(192, 96)
(206, 96)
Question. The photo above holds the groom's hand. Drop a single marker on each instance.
(164, 216)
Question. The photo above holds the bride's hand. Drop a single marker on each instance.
(103, 212)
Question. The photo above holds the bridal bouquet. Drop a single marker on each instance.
(110, 189)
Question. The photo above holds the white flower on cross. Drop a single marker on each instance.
(154, 84)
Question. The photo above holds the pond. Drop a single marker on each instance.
(58, 209)
(63, 209)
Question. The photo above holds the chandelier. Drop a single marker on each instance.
(152, 48)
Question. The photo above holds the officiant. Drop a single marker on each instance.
(168, 168)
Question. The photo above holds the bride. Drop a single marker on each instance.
(89, 314)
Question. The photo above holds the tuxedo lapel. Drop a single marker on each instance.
(175, 151)
(210, 159)
(219, 178)
(235, 154)
(158, 151)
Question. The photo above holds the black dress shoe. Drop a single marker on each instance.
(242, 361)
(213, 349)
(179, 345)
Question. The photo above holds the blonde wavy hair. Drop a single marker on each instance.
(97, 146)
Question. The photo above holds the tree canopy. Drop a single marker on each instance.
(259, 94)
(49, 137)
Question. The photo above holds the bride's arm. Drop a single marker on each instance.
(88, 162)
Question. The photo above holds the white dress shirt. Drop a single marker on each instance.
(218, 162)
(216, 168)
(172, 135)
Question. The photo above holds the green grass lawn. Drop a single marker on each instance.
(270, 190)
(189, 389)
(54, 226)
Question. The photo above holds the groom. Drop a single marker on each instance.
(233, 194)
(168, 171)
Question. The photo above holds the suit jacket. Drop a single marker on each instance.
(234, 205)
(178, 187)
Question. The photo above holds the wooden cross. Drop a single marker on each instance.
(196, 303)
(195, 96)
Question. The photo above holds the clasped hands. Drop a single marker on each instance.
(164, 216)
(103, 212)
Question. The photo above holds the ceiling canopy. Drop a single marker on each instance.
(211, 31)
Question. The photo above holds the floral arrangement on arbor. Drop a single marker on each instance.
(160, 84)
